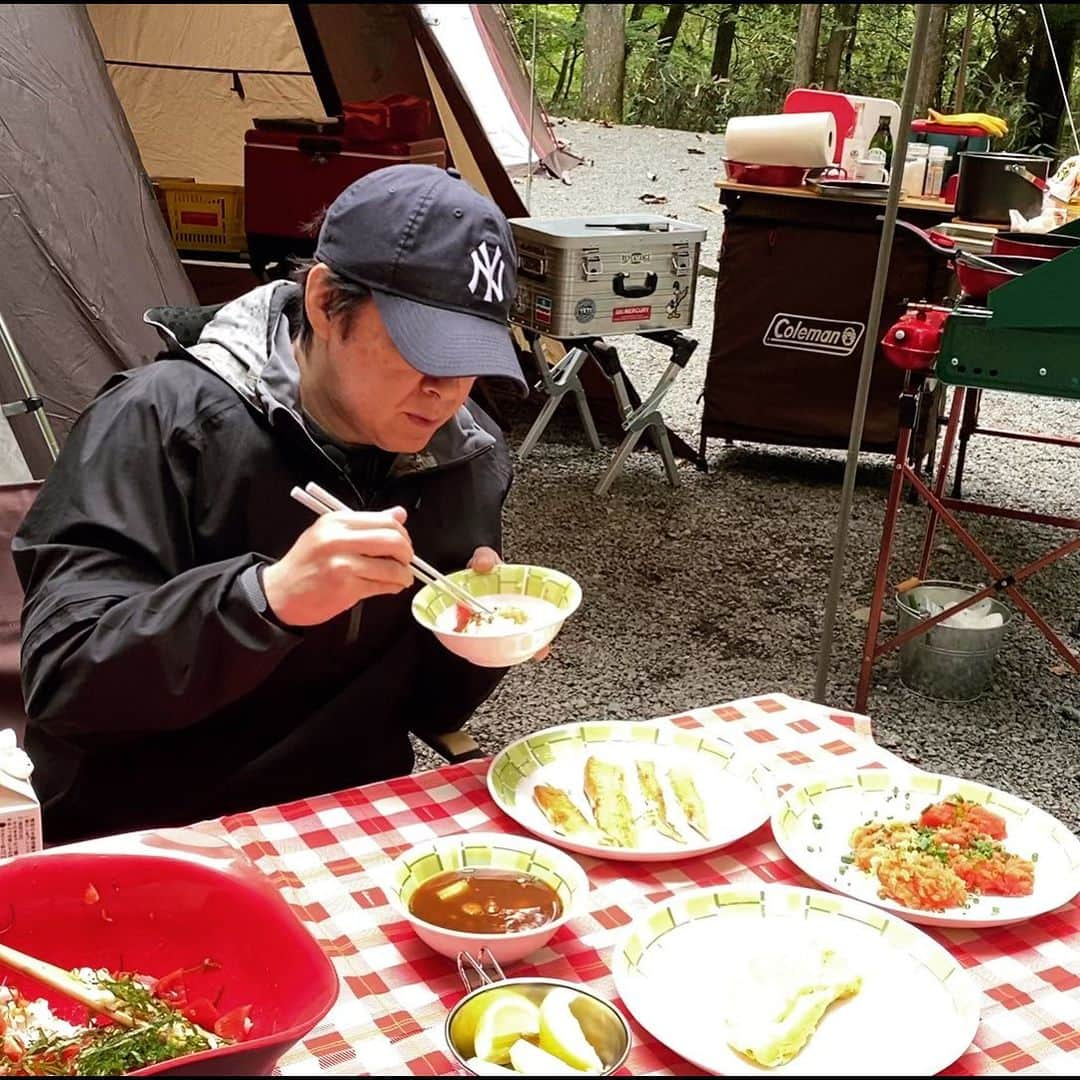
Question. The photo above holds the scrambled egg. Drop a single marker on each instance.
(781, 1000)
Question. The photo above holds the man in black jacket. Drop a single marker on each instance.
(193, 642)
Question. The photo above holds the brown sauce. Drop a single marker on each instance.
(485, 901)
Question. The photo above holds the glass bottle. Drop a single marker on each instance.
(882, 139)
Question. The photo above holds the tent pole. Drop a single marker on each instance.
(532, 116)
(870, 344)
(30, 402)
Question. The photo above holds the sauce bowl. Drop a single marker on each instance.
(489, 851)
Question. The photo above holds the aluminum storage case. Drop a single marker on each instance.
(605, 274)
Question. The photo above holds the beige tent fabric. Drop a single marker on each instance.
(254, 37)
(191, 123)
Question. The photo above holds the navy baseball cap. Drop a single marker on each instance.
(440, 262)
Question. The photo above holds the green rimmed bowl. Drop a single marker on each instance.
(549, 598)
(490, 851)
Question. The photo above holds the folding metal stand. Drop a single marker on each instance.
(557, 382)
(563, 379)
(969, 425)
(918, 395)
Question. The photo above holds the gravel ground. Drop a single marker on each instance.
(715, 590)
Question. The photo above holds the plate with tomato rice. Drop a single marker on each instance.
(936, 850)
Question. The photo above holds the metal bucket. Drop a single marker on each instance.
(948, 663)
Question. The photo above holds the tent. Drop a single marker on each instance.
(95, 97)
(192, 76)
(85, 248)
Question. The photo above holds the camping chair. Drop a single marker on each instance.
(180, 327)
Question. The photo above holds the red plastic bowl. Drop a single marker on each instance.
(743, 172)
(159, 911)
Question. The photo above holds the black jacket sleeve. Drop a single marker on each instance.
(124, 632)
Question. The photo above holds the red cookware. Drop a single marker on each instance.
(745, 172)
(912, 342)
(978, 276)
(1035, 245)
(159, 904)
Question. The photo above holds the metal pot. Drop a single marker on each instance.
(1037, 245)
(987, 191)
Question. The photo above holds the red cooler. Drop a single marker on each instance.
(294, 169)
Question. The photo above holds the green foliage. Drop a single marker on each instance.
(679, 92)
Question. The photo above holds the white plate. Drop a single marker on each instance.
(813, 825)
(735, 788)
(915, 1013)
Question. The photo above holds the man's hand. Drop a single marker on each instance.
(485, 560)
(343, 558)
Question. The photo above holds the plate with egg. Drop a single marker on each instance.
(787, 980)
(630, 790)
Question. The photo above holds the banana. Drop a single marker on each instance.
(993, 125)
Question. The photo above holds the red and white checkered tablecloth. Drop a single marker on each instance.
(325, 855)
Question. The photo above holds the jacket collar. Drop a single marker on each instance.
(247, 343)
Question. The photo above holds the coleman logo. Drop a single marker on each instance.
(489, 266)
(834, 337)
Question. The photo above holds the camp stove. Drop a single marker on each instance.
(1025, 340)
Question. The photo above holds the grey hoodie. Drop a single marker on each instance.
(157, 691)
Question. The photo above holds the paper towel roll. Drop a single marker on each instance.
(804, 139)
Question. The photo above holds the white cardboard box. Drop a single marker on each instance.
(20, 811)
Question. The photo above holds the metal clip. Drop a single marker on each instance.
(591, 265)
(479, 969)
(680, 262)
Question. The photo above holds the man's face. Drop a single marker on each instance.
(360, 388)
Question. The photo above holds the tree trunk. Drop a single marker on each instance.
(839, 36)
(569, 59)
(928, 88)
(725, 40)
(637, 11)
(806, 43)
(1043, 91)
(669, 30)
(849, 51)
(605, 62)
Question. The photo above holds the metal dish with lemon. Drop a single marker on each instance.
(533, 1026)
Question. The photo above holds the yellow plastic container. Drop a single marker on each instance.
(204, 217)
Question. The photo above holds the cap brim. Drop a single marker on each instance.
(450, 344)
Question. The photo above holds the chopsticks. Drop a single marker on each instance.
(320, 501)
(95, 998)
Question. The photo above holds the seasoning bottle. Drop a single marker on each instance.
(935, 171)
(915, 169)
(882, 139)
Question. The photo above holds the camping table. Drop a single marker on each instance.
(324, 854)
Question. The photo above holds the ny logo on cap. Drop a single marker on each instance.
(489, 265)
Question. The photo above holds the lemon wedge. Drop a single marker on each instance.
(561, 1034)
(468, 1017)
(530, 1060)
(501, 1024)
